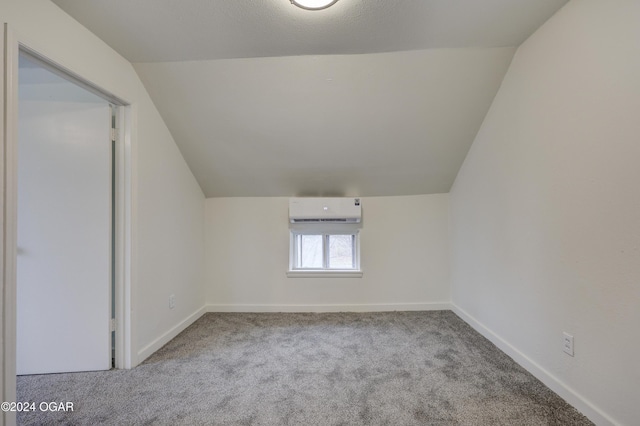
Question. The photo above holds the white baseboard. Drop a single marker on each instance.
(381, 307)
(145, 352)
(552, 382)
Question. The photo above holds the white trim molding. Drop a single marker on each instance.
(562, 389)
(378, 307)
(324, 273)
(8, 170)
(165, 338)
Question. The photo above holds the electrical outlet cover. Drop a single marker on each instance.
(567, 343)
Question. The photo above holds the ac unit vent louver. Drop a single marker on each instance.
(324, 210)
(321, 220)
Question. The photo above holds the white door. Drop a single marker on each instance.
(64, 236)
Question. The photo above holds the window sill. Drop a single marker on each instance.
(323, 274)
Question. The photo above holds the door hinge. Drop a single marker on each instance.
(113, 324)
(114, 135)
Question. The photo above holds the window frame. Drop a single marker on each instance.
(325, 271)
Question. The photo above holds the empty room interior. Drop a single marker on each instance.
(321, 212)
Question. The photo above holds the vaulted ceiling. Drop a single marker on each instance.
(368, 97)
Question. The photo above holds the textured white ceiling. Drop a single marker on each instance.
(266, 99)
(177, 30)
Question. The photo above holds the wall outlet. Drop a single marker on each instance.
(567, 343)
(172, 301)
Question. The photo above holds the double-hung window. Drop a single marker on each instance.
(321, 252)
(325, 251)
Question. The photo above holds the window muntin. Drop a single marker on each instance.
(325, 252)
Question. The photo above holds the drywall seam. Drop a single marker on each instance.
(165, 338)
(381, 307)
(567, 393)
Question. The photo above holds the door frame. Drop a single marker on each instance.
(125, 355)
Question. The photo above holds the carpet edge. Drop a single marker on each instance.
(166, 337)
(579, 402)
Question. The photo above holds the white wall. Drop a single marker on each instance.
(170, 234)
(404, 257)
(168, 209)
(546, 209)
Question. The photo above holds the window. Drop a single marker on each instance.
(324, 253)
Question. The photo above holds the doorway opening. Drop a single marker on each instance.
(124, 229)
(73, 222)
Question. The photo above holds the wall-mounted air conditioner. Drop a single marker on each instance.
(317, 210)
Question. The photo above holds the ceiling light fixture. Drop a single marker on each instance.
(313, 4)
